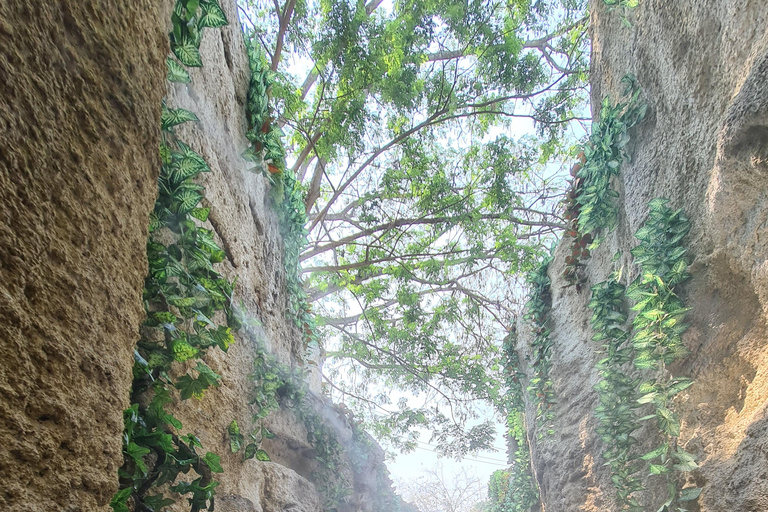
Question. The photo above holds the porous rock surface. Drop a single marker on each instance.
(703, 69)
(80, 88)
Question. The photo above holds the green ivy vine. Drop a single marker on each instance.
(538, 308)
(591, 209)
(514, 490)
(657, 339)
(182, 295)
(617, 390)
(268, 154)
(276, 385)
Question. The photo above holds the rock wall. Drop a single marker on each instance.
(81, 91)
(703, 69)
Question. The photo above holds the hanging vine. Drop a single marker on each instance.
(514, 490)
(538, 307)
(617, 390)
(657, 339)
(182, 294)
(590, 208)
(268, 154)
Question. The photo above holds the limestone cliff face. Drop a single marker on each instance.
(703, 69)
(82, 85)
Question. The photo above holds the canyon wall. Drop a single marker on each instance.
(703, 70)
(81, 87)
(248, 230)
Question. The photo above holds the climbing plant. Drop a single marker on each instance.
(514, 489)
(657, 338)
(591, 209)
(617, 389)
(182, 295)
(267, 152)
(277, 385)
(538, 307)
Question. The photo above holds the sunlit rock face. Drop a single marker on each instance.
(703, 70)
(81, 86)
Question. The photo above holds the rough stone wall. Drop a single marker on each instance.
(703, 68)
(81, 86)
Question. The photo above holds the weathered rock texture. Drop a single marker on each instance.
(81, 84)
(703, 68)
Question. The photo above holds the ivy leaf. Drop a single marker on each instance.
(119, 502)
(250, 451)
(176, 72)
(175, 116)
(689, 494)
(658, 452)
(186, 201)
(187, 52)
(191, 387)
(213, 462)
(183, 351)
(213, 16)
(235, 437)
(200, 214)
(137, 453)
(158, 501)
(223, 337)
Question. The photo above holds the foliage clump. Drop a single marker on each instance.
(268, 153)
(538, 307)
(591, 208)
(514, 489)
(617, 389)
(183, 295)
(657, 338)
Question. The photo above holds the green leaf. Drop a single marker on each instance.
(187, 52)
(172, 117)
(119, 502)
(213, 462)
(250, 451)
(235, 437)
(200, 214)
(158, 501)
(137, 453)
(176, 72)
(689, 494)
(658, 452)
(213, 16)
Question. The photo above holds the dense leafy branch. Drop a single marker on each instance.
(421, 214)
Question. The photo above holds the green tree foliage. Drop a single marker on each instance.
(420, 212)
(514, 489)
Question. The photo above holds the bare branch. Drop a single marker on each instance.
(285, 19)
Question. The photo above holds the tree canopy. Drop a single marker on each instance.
(422, 133)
